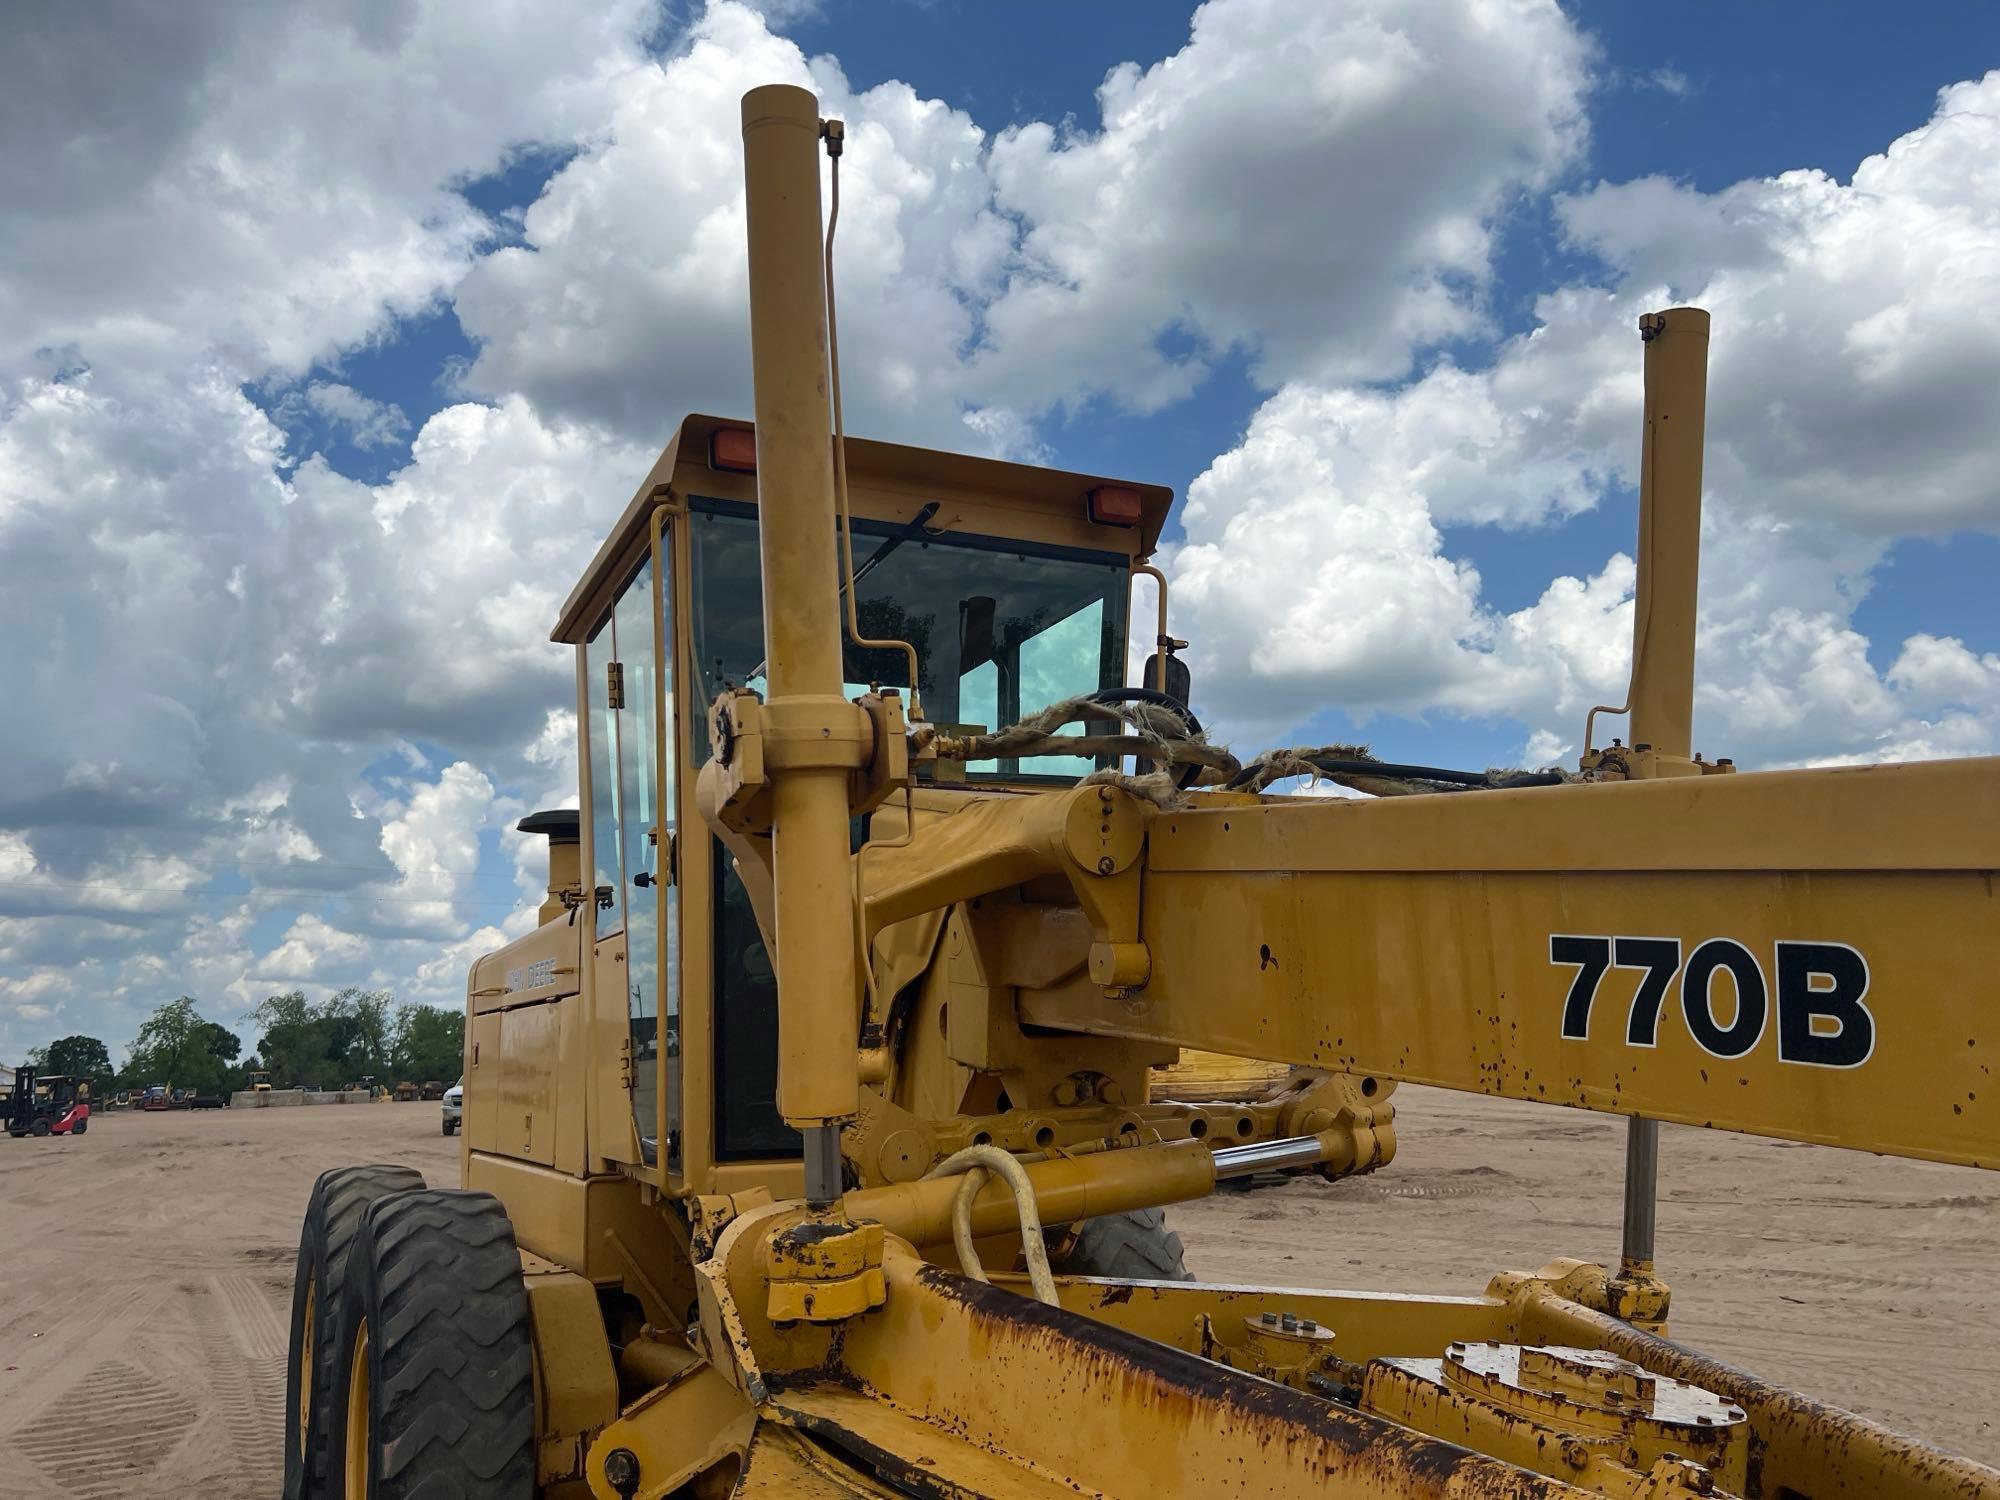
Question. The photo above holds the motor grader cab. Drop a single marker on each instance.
(1017, 582)
(787, 1128)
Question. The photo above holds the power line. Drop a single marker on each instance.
(170, 890)
(243, 864)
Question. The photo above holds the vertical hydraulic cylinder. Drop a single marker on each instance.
(818, 1067)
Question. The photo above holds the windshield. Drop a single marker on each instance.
(1001, 628)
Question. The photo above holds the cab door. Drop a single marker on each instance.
(632, 784)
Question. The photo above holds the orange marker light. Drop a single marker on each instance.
(1114, 505)
(734, 449)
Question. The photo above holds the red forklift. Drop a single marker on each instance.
(50, 1105)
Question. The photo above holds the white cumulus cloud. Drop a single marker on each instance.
(1856, 348)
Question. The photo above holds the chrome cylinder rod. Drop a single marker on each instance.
(1269, 1156)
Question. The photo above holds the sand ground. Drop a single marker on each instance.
(146, 1278)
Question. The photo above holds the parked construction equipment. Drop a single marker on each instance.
(808, 1146)
(47, 1104)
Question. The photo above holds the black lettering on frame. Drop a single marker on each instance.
(1825, 980)
(1660, 958)
(1592, 956)
(1698, 1004)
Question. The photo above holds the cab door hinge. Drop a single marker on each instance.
(614, 684)
(625, 1079)
(670, 854)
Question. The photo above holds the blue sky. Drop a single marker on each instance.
(337, 344)
(1706, 94)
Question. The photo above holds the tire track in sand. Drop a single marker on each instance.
(246, 1370)
(106, 1434)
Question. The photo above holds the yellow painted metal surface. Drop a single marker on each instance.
(485, 1061)
(540, 965)
(818, 1073)
(1132, 1419)
(1663, 626)
(953, 1382)
(910, 1450)
(825, 1270)
(699, 1422)
(1924, 816)
(576, 1385)
(887, 482)
(1199, 1075)
(603, 1228)
(783, 1464)
(528, 1071)
(1068, 1188)
(1367, 1325)
(1452, 979)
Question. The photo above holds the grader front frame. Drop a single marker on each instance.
(809, 1038)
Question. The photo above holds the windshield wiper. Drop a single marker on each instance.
(915, 526)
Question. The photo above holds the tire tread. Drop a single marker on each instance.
(340, 1198)
(1135, 1246)
(455, 1398)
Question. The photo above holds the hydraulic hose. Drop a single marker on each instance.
(1395, 771)
(975, 1162)
(1185, 777)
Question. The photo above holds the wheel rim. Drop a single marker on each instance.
(302, 1431)
(357, 1418)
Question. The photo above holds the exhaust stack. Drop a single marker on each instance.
(564, 829)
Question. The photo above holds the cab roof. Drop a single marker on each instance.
(1037, 501)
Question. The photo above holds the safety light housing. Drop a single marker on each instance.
(733, 449)
(1114, 505)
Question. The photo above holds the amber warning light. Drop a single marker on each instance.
(1114, 505)
(734, 449)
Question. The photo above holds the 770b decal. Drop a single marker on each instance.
(1822, 1021)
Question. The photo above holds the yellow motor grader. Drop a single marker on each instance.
(809, 1148)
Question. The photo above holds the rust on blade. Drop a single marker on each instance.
(1302, 1443)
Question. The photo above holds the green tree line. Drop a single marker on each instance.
(351, 1035)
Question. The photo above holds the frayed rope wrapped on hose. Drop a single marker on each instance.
(1158, 733)
(1352, 766)
(1161, 732)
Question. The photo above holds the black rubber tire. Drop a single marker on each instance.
(326, 1242)
(79, 1127)
(40, 1127)
(1126, 1247)
(436, 1277)
(450, 1127)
